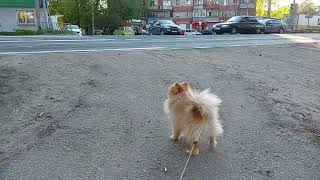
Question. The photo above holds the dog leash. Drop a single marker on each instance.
(198, 134)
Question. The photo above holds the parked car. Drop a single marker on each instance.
(189, 32)
(274, 26)
(207, 32)
(144, 32)
(141, 31)
(240, 24)
(124, 31)
(73, 28)
(162, 27)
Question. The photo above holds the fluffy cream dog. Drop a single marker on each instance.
(188, 109)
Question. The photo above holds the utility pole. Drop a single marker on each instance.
(291, 21)
(269, 8)
(92, 16)
(37, 13)
(294, 12)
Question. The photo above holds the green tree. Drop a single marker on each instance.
(75, 11)
(276, 11)
(108, 22)
(117, 11)
(126, 9)
(106, 17)
(308, 7)
(280, 12)
(261, 8)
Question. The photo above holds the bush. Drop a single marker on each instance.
(28, 32)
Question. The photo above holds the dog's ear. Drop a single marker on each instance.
(186, 85)
(174, 89)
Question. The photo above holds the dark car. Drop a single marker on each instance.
(274, 26)
(206, 32)
(162, 27)
(240, 24)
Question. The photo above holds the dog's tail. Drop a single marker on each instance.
(209, 99)
(211, 103)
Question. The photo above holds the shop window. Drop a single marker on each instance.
(26, 17)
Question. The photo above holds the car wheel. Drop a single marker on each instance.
(281, 31)
(234, 30)
(219, 32)
(162, 32)
(258, 31)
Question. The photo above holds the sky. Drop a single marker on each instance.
(287, 2)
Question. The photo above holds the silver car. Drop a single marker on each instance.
(74, 29)
(274, 26)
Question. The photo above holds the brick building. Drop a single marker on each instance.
(198, 14)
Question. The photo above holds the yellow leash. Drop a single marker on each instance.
(198, 134)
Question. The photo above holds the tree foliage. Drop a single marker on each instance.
(308, 7)
(261, 8)
(107, 18)
(108, 22)
(75, 11)
(126, 9)
(276, 11)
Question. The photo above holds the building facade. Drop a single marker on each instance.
(159, 9)
(21, 14)
(199, 14)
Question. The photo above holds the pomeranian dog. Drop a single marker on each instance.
(189, 109)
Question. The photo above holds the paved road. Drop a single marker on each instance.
(102, 112)
(44, 44)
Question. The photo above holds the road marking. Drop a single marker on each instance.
(201, 47)
(84, 50)
(60, 40)
(133, 39)
(181, 38)
(25, 46)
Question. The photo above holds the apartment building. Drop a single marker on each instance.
(199, 14)
(159, 9)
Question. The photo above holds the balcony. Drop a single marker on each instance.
(198, 6)
(183, 8)
(212, 6)
(166, 7)
(247, 5)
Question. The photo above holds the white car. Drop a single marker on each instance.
(191, 32)
(74, 28)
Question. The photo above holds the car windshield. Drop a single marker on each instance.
(235, 19)
(264, 20)
(74, 27)
(165, 22)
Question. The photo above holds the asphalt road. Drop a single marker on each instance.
(45, 44)
(97, 114)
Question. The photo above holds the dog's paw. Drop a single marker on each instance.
(195, 151)
(173, 137)
(213, 142)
